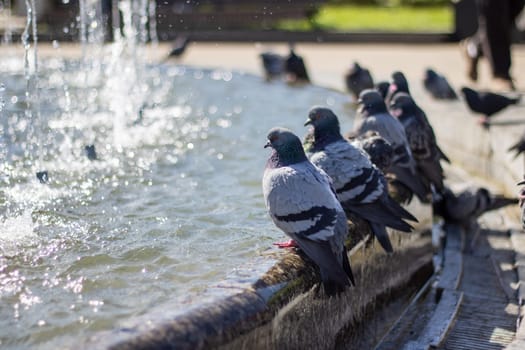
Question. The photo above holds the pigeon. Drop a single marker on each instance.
(91, 152)
(486, 103)
(378, 149)
(518, 147)
(375, 117)
(179, 47)
(382, 87)
(273, 64)
(438, 86)
(399, 83)
(358, 79)
(302, 203)
(42, 176)
(295, 68)
(421, 139)
(359, 185)
(466, 206)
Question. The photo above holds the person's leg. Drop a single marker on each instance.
(473, 52)
(515, 8)
(495, 33)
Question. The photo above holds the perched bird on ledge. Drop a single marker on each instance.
(295, 68)
(273, 65)
(466, 206)
(438, 86)
(359, 185)
(421, 139)
(375, 117)
(378, 149)
(358, 79)
(301, 202)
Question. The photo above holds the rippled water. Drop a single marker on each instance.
(172, 212)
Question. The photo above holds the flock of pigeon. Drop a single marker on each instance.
(311, 185)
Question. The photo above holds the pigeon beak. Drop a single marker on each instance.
(521, 183)
(308, 122)
(268, 144)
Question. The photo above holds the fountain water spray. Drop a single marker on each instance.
(32, 88)
(8, 33)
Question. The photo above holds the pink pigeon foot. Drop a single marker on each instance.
(484, 121)
(289, 244)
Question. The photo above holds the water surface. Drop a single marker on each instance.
(171, 212)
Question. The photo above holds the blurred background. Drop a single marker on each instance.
(218, 19)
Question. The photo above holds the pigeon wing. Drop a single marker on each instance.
(300, 201)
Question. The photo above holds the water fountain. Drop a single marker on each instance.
(170, 214)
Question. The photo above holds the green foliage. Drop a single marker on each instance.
(418, 3)
(374, 18)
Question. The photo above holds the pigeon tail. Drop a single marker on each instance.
(442, 155)
(379, 213)
(411, 181)
(499, 201)
(346, 266)
(398, 210)
(379, 231)
(518, 148)
(332, 271)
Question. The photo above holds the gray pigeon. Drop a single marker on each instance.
(438, 86)
(466, 206)
(421, 139)
(360, 186)
(379, 150)
(302, 203)
(273, 65)
(358, 79)
(375, 117)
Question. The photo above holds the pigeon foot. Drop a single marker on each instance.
(289, 244)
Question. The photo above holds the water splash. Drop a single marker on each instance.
(5, 9)
(16, 232)
(32, 113)
(152, 10)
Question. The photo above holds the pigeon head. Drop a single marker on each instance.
(430, 74)
(371, 102)
(484, 199)
(287, 147)
(382, 87)
(325, 125)
(399, 81)
(380, 150)
(355, 69)
(472, 97)
(322, 118)
(468, 93)
(402, 103)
